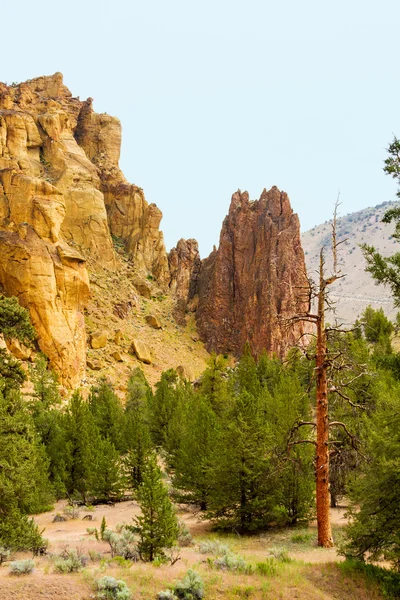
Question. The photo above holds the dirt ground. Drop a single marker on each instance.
(44, 584)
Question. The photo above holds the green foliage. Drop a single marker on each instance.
(23, 475)
(21, 567)
(137, 439)
(213, 547)
(164, 407)
(109, 588)
(231, 562)
(386, 270)
(213, 383)
(158, 525)
(389, 581)
(267, 568)
(103, 527)
(190, 588)
(107, 411)
(15, 322)
(184, 536)
(12, 375)
(70, 561)
(376, 326)
(122, 544)
(374, 530)
(194, 459)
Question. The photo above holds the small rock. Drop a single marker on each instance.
(195, 338)
(142, 351)
(59, 519)
(118, 337)
(153, 321)
(98, 339)
(117, 356)
(93, 364)
(143, 288)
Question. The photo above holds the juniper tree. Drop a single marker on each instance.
(24, 485)
(374, 529)
(157, 525)
(196, 455)
(107, 411)
(137, 439)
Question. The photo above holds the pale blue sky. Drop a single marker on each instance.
(216, 96)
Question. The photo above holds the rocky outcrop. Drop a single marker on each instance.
(253, 280)
(184, 266)
(62, 197)
(130, 217)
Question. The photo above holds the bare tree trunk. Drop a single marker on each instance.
(322, 462)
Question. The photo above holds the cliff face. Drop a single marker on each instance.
(62, 196)
(253, 279)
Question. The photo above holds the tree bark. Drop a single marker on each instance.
(322, 462)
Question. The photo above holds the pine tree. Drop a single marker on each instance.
(195, 457)
(107, 411)
(24, 485)
(108, 482)
(374, 530)
(82, 447)
(158, 524)
(213, 383)
(244, 464)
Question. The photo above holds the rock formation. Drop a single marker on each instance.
(62, 196)
(184, 266)
(253, 279)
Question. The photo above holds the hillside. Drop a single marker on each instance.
(357, 290)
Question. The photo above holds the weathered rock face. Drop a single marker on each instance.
(253, 279)
(130, 217)
(184, 266)
(59, 176)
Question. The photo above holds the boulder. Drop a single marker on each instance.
(98, 339)
(94, 364)
(117, 356)
(153, 321)
(142, 351)
(143, 288)
(118, 337)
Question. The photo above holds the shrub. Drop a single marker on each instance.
(213, 547)
(122, 544)
(190, 588)
(280, 554)
(231, 562)
(184, 536)
(21, 567)
(71, 511)
(268, 567)
(166, 595)
(110, 588)
(70, 561)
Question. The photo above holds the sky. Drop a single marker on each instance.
(215, 96)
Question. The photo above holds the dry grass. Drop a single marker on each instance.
(312, 575)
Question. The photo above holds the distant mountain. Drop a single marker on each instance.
(357, 289)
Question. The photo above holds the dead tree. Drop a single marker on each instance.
(318, 294)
